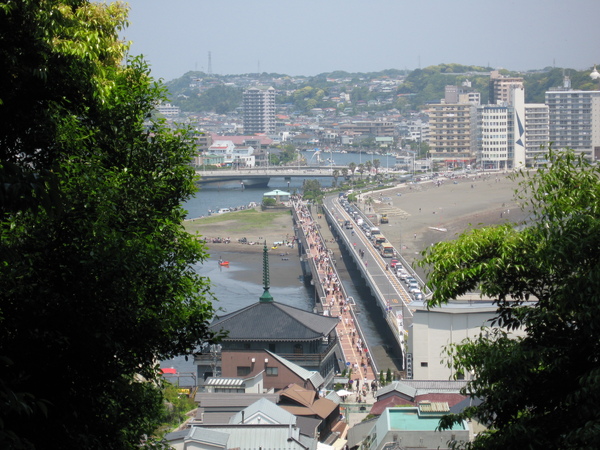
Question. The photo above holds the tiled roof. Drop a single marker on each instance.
(272, 321)
(263, 411)
(308, 375)
(397, 386)
(298, 394)
(226, 399)
(394, 400)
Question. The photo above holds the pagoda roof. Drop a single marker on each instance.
(272, 321)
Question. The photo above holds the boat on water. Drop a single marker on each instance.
(223, 263)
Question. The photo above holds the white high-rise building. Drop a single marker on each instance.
(574, 119)
(495, 144)
(537, 136)
(259, 111)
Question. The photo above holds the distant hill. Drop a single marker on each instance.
(197, 92)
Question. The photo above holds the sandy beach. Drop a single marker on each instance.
(422, 214)
(419, 215)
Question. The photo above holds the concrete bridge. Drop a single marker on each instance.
(260, 176)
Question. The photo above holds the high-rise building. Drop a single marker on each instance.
(452, 133)
(574, 119)
(537, 134)
(500, 87)
(259, 111)
(462, 94)
(495, 143)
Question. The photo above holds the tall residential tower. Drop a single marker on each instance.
(259, 111)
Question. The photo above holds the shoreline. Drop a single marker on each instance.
(416, 212)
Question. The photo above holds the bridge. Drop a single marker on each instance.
(260, 176)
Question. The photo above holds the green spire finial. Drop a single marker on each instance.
(266, 297)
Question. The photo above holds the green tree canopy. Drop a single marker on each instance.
(540, 390)
(96, 271)
(312, 190)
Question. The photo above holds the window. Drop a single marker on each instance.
(272, 348)
(272, 371)
(424, 364)
(242, 371)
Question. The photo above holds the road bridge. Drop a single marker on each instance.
(261, 175)
(390, 293)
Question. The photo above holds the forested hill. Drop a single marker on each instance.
(201, 92)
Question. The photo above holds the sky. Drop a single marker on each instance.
(310, 37)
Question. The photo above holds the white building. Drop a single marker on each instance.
(431, 330)
(574, 119)
(241, 156)
(537, 136)
(166, 109)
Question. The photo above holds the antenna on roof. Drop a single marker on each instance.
(266, 297)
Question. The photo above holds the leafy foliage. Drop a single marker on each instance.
(313, 191)
(540, 390)
(219, 99)
(96, 276)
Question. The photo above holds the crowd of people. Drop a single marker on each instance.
(337, 304)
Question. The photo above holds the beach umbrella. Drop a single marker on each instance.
(343, 392)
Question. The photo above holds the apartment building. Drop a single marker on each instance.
(452, 130)
(500, 87)
(259, 110)
(537, 136)
(574, 118)
(462, 94)
(495, 143)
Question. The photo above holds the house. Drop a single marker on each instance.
(261, 425)
(219, 407)
(277, 372)
(412, 392)
(306, 403)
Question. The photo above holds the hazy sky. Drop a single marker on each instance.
(314, 36)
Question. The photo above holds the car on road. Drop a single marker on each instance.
(402, 274)
(418, 296)
(393, 263)
(409, 280)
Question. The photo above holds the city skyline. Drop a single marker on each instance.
(312, 37)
